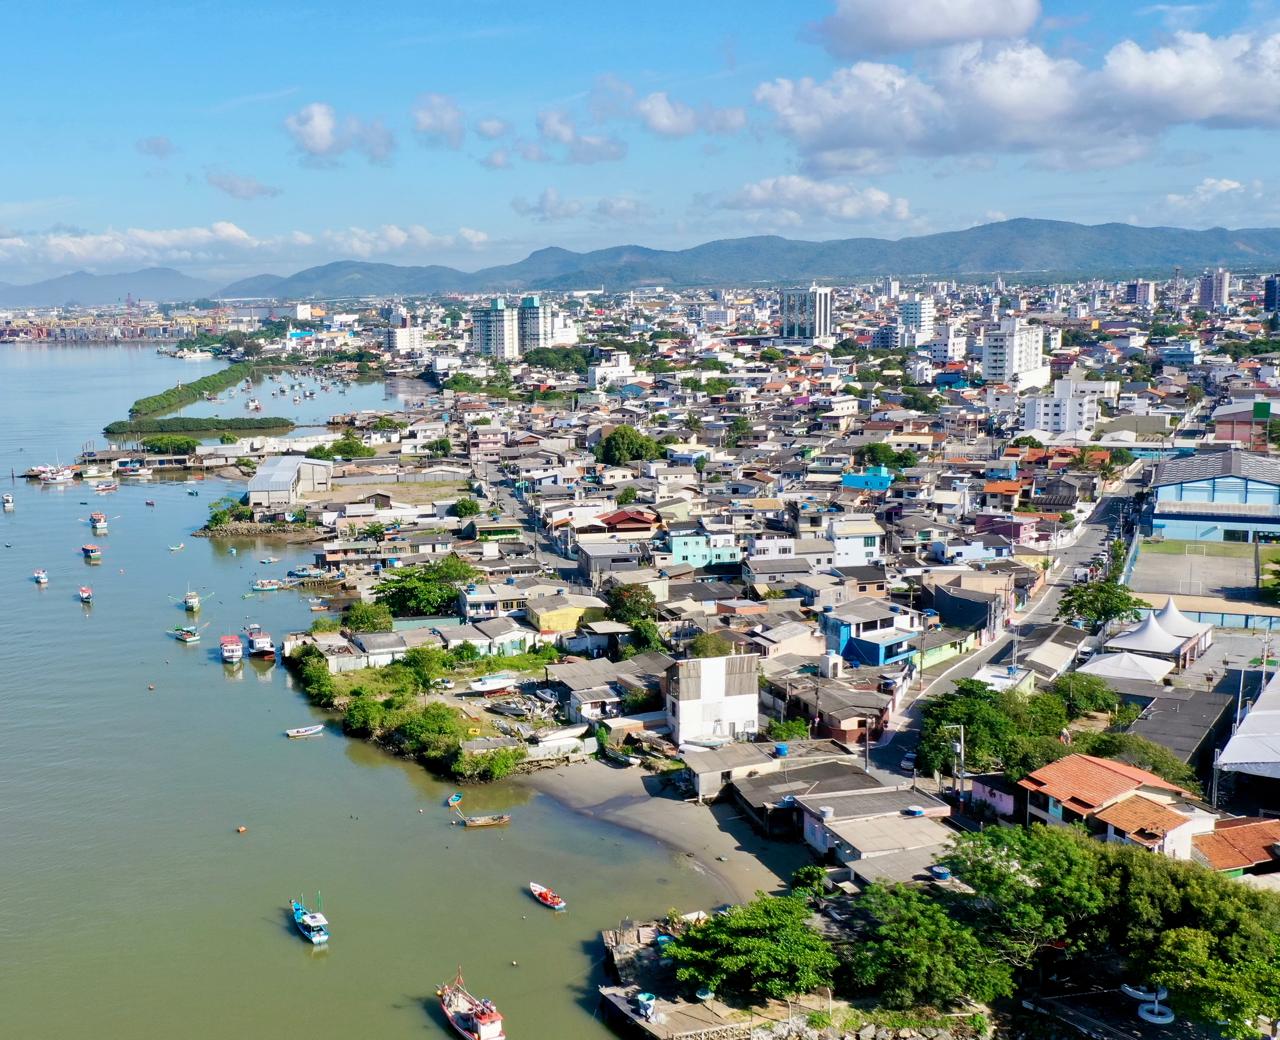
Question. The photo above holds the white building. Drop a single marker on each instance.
(1055, 414)
(1215, 289)
(404, 341)
(1141, 293)
(917, 312)
(1099, 389)
(948, 343)
(718, 314)
(806, 313)
(535, 324)
(495, 331)
(614, 368)
(1013, 353)
(858, 539)
(889, 287)
(712, 697)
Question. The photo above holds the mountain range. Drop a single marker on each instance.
(1024, 248)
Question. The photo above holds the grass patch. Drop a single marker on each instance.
(1178, 547)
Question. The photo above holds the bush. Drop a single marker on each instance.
(197, 424)
(368, 617)
(490, 765)
(791, 729)
(188, 393)
(364, 717)
(170, 444)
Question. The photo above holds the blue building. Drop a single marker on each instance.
(872, 478)
(1228, 496)
(868, 631)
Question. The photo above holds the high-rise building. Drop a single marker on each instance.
(806, 313)
(1140, 293)
(536, 324)
(916, 312)
(495, 331)
(1013, 353)
(1271, 293)
(1215, 289)
(890, 287)
(948, 344)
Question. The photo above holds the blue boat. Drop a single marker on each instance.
(312, 927)
(454, 799)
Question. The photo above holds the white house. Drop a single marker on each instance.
(713, 697)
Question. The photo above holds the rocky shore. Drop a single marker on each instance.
(290, 533)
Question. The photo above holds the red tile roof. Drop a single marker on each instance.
(1141, 819)
(1241, 843)
(1084, 783)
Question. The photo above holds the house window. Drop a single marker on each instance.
(869, 542)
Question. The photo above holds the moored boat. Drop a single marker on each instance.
(547, 897)
(304, 731)
(186, 633)
(268, 585)
(454, 799)
(58, 475)
(86, 594)
(473, 1017)
(40, 577)
(106, 486)
(231, 649)
(493, 683)
(260, 644)
(8, 501)
(91, 552)
(311, 926)
(489, 820)
(191, 601)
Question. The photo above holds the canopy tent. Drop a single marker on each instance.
(1176, 623)
(1147, 637)
(1127, 666)
(1255, 746)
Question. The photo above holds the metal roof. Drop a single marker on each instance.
(1207, 465)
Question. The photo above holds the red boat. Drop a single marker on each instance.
(546, 897)
(473, 1017)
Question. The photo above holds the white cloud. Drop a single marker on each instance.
(498, 159)
(322, 136)
(1206, 191)
(547, 207)
(859, 27)
(491, 129)
(239, 186)
(158, 147)
(389, 238)
(620, 209)
(129, 245)
(667, 117)
(438, 119)
(472, 237)
(792, 199)
(558, 128)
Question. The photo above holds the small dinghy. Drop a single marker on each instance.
(547, 897)
(304, 731)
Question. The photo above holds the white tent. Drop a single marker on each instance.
(1176, 623)
(1147, 637)
(1255, 746)
(1127, 666)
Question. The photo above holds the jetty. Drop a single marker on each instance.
(633, 953)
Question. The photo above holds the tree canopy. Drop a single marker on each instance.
(709, 644)
(631, 603)
(625, 444)
(1099, 603)
(424, 591)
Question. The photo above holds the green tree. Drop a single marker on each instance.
(1027, 442)
(427, 590)
(631, 603)
(364, 717)
(440, 447)
(465, 507)
(989, 728)
(1084, 693)
(625, 444)
(1207, 983)
(1099, 603)
(764, 948)
(810, 878)
(739, 427)
(644, 637)
(433, 733)
(789, 729)
(771, 354)
(914, 954)
(170, 444)
(626, 496)
(374, 532)
(368, 617)
(709, 644)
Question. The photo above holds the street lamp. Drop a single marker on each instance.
(958, 747)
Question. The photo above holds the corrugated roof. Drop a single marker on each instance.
(1206, 465)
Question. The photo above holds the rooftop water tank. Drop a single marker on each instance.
(828, 813)
(940, 873)
(781, 750)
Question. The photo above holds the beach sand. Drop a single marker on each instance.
(643, 802)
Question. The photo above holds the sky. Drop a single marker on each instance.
(230, 138)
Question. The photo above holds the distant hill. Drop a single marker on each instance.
(91, 290)
(1022, 247)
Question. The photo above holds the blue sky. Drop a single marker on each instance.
(230, 138)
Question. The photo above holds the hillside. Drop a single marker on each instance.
(1022, 246)
(90, 290)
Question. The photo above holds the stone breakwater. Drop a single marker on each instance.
(246, 529)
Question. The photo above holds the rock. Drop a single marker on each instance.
(867, 1032)
(905, 1033)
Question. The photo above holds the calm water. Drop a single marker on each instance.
(129, 907)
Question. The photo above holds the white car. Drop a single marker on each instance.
(908, 763)
(444, 684)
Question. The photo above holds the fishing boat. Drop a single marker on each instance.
(86, 594)
(194, 494)
(511, 709)
(142, 472)
(306, 571)
(253, 404)
(178, 548)
(317, 605)
(491, 820)
(231, 649)
(268, 585)
(8, 502)
(473, 1017)
(454, 799)
(40, 577)
(546, 897)
(270, 559)
(186, 633)
(191, 601)
(91, 552)
(493, 683)
(304, 731)
(150, 502)
(58, 475)
(106, 486)
(311, 926)
(260, 644)
(98, 521)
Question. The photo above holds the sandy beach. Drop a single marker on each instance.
(717, 837)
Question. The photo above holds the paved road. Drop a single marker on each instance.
(544, 551)
(888, 754)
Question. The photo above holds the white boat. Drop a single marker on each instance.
(493, 683)
(142, 472)
(253, 404)
(40, 577)
(106, 487)
(86, 594)
(231, 649)
(304, 731)
(191, 601)
(260, 644)
(193, 355)
(58, 475)
(8, 502)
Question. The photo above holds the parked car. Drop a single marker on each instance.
(444, 684)
(908, 763)
(1085, 652)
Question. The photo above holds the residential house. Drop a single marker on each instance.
(713, 698)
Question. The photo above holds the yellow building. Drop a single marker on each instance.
(564, 612)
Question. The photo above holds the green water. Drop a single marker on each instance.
(129, 906)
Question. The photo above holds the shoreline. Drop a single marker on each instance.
(622, 796)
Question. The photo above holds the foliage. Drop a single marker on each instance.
(788, 729)
(771, 354)
(387, 423)
(631, 603)
(644, 637)
(1140, 752)
(440, 447)
(989, 729)
(914, 954)
(1082, 694)
(764, 948)
(325, 624)
(196, 424)
(624, 444)
(739, 427)
(433, 733)
(189, 393)
(880, 454)
(313, 676)
(1099, 603)
(465, 507)
(348, 446)
(367, 617)
(920, 400)
(1027, 442)
(1209, 985)
(809, 878)
(375, 531)
(709, 644)
(170, 444)
(489, 765)
(227, 509)
(364, 717)
(560, 359)
(627, 495)
(424, 591)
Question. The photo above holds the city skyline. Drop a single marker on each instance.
(470, 139)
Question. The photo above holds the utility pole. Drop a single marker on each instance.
(958, 746)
